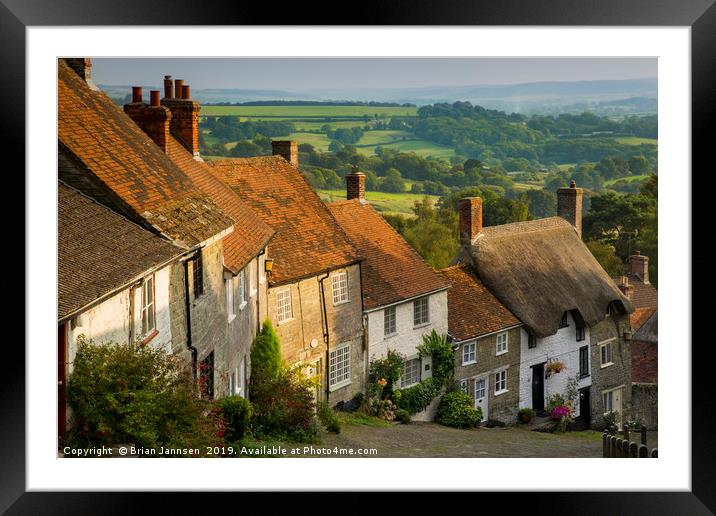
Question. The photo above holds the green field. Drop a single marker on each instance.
(381, 201)
(402, 141)
(635, 140)
(289, 112)
(628, 179)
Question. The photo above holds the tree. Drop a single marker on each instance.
(606, 257)
(392, 182)
(266, 353)
(541, 203)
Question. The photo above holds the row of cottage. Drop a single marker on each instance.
(158, 246)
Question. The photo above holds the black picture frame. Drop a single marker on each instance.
(700, 15)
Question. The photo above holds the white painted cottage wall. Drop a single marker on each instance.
(562, 346)
(407, 337)
(109, 320)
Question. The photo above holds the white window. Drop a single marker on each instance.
(284, 310)
(339, 368)
(251, 281)
(232, 383)
(421, 313)
(340, 288)
(606, 351)
(468, 353)
(389, 321)
(411, 372)
(148, 313)
(229, 287)
(242, 378)
(501, 381)
(480, 388)
(242, 288)
(463, 386)
(608, 400)
(501, 343)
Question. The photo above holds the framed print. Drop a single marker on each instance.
(426, 237)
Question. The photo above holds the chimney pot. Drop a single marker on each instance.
(355, 185)
(185, 92)
(286, 148)
(168, 87)
(154, 98)
(569, 205)
(178, 83)
(470, 209)
(136, 94)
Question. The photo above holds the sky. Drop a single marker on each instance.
(307, 74)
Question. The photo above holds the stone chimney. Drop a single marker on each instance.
(470, 209)
(82, 66)
(569, 205)
(639, 266)
(355, 185)
(286, 148)
(184, 124)
(625, 287)
(154, 120)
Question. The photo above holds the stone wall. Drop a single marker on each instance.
(302, 336)
(645, 404)
(501, 407)
(614, 376)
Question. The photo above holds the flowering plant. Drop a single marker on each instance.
(563, 415)
(560, 412)
(556, 367)
(382, 382)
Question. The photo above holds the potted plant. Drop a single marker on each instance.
(556, 367)
(525, 415)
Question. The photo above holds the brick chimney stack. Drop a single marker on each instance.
(626, 288)
(184, 124)
(355, 185)
(639, 266)
(82, 66)
(286, 148)
(154, 119)
(569, 205)
(470, 209)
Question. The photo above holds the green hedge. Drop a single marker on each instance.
(456, 410)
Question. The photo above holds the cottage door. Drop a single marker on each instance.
(481, 396)
(617, 405)
(538, 387)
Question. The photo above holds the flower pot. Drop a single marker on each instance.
(525, 418)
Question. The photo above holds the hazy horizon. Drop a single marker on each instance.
(317, 74)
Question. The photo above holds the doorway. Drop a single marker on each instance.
(538, 387)
(481, 396)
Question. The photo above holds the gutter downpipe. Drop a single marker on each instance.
(187, 305)
(326, 338)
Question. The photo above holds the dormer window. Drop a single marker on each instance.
(580, 331)
(564, 322)
(531, 340)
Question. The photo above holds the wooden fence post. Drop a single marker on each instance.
(643, 435)
(625, 448)
(605, 448)
(626, 431)
(633, 450)
(643, 451)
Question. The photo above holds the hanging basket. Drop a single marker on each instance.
(556, 367)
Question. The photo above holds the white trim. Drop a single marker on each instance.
(217, 237)
(474, 353)
(501, 391)
(347, 381)
(499, 352)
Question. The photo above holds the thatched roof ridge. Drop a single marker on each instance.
(540, 269)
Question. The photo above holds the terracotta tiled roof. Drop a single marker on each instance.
(100, 251)
(640, 316)
(308, 240)
(392, 270)
(472, 309)
(123, 167)
(541, 269)
(250, 233)
(645, 295)
(649, 329)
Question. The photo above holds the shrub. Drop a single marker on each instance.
(526, 414)
(416, 398)
(611, 422)
(129, 393)
(388, 368)
(266, 352)
(555, 400)
(456, 410)
(328, 418)
(283, 405)
(403, 416)
(237, 414)
(440, 350)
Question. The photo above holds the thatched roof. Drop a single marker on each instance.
(540, 269)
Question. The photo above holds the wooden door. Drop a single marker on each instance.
(481, 396)
(538, 387)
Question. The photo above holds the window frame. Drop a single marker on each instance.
(197, 275)
(333, 382)
(279, 312)
(498, 351)
(584, 350)
(608, 345)
(146, 330)
(580, 332)
(608, 395)
(531, 340)
(564, 322)
(501, 380)
(229, 292)
(418, 371)
(336, 279)
(467, 353)
(241, 288)
(420, 311)
(390, 310)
